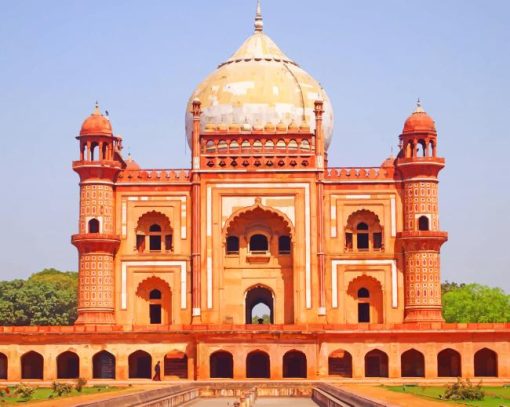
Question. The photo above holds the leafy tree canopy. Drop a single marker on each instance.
(45, 298)
(475, 303)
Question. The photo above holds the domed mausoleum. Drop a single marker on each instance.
(262, 260)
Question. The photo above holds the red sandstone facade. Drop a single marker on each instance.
(172, 262)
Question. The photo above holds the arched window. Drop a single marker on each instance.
(305, 145)
(155, 295)
(269, 145)
(93, 226)
(234, 145)
(284, 245)
(232, 245)
(293, 145)
(280, 145)
(423, 223)
(155, 238)
(258, 244)
(363, 293)
(422, 149)
(362, 230)
(210, 147)
(222, 146)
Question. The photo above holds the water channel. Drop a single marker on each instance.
(261, 402)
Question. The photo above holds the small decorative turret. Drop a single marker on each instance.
(421, 240)
(100, 163)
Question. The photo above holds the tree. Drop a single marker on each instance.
(475, 303)
(45, 298)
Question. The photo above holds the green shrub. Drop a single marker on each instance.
(61, 389)
(463, 390)
(80, 384)
(24, 391)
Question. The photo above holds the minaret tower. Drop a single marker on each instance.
(97, 243)
(421, 238)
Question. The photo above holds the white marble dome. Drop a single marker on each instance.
(259, 84)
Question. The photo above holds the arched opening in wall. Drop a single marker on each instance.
(176, 364)
(140, 365)
(153, 302)
(258, 365)
(284, 245)
(232, 245)
(258, 244)
(234, 146)
(93, 226)
(3, 366)
(154, 232)
(293, 145)
(412, 364)
(103, 365)
(364, 294)
(257, 146)
(423, 223)
(221, 365)
(294, 365)
(376, 364)
(255, 296)
(486, 363)
(104, 155)
(340, 364)
(269, 146)
(222, 147)
(32, 366)
(280, 145)
(363, 305)
(422, 149)
(68, 365)
(210, 147)
(449, 363)
(363, 232)
(93, 151)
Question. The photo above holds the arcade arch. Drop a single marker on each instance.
(258, 365)
(294, 365)
(486, 363)
(412, 364)
(103, 365)
(340, 363)
(68, 365)
(140, 365)
(3, 366)
(32, 366)
(176, 364)
(449, 363)
(376, 364)
(221, 365)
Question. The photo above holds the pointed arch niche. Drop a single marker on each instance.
(365, 299)
(153, 302)
(154, 233)
(262, 259)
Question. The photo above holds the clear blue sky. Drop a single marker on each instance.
(142, 60)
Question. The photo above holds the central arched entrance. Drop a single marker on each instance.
(258, 365)
(259, 305)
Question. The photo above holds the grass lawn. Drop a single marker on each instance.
(494, 396)
(45, 394)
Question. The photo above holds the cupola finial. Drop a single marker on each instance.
(419, 108)
(259, 22)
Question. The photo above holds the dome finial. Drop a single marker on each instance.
(259, 22)
(96, 109)
(419, 108)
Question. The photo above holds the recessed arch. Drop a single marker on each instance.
(258, 365)
(140, 365)
(221, 365)
(68, 365)
(294, 365)
(364, 294)
(340, 363)
(153, 302)
(94, 226)
(103, 365)
(376, 364)
(423, 223)
(412, 364)
(259, 294)
(258, 211)
(32, 366)
(486, 363)
(4, 365)
(176, 364)
(449, 363)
